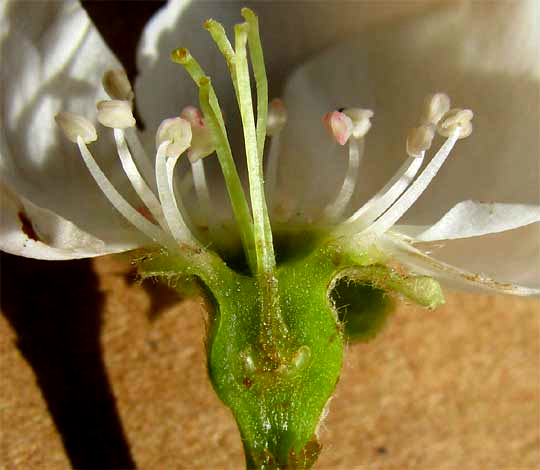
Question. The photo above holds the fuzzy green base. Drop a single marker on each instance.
(277, 369)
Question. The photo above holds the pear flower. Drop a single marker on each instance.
(383, 162)
(38, 171)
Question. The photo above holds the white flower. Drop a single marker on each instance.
(53, 60)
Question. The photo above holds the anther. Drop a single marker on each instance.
(419, 140)
(339, 125)
(456, 119)
(74, 126)
(361, 121)
(202, 143)
(277, 117)
(178, 132)
(116, 114)
(117, 86)
(435, 107)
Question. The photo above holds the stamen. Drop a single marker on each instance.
(435, 107)
(170, 205)
(409, 197)
(137, 181)
(456, 119)
(141, 157)
(277, 118)
(75, 126)
(202, 143)
(201, 188)
(419, 140)
(334, 210)
(361, 121)
(339, 125)
(350, 124)
(120, 204)
(177, 132)
(117, 86)
(385, 197)
(116, 114)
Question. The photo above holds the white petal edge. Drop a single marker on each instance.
(473, 219)
(53, 238)
(421, 263)
(53, 59)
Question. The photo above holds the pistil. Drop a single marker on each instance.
(216, 124)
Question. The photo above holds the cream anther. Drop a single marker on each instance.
(339, 125)
(419, 140)
(361, 121)
(178, 132)
(277, 117)
(74, 126)
(202, 143)
(456, 119)
(435, 107)
(116, 114)
(117, 86)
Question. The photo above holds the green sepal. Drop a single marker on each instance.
(365, 297)
(362, 309)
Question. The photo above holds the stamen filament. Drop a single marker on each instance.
(165, 183)
(117, 200)
(137, 181)
(140, 156)
(334, 210)
(263, 238)
(409, 197)
(272, 158)
(381, 201)
(201, 188)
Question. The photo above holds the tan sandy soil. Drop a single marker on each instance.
(458, 388)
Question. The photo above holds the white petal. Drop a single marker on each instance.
(421, 263)
(473, 219)
(291, 33)
(53, 59)
(31, 231)
(467, 53)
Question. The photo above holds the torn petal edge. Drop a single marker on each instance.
(421, 263)
(35, 232)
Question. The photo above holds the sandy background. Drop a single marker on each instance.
(91, 380)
